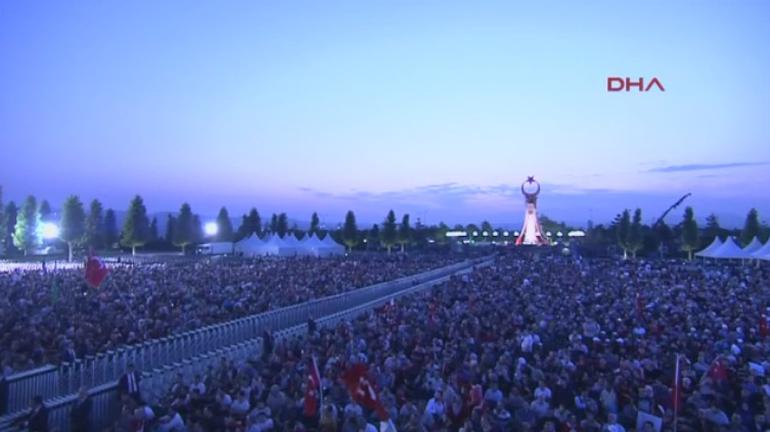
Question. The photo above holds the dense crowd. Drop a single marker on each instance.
(554, 345)
(52, 316)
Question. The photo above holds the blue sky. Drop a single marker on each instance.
(439, 109)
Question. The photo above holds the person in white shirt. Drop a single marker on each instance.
(435, 406)
(171, 422)
(241, 405)
(543, 391)
(198, 384)
(612, 424)
(261, 422)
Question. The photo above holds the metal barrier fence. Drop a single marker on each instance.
(92, 371)
(156, 382)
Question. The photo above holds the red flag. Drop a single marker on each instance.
(311, 398)
(313, 392)
(357, 381)
(96, 271)
(763, 331)
(676, 397)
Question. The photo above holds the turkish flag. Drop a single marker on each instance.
(676, 394)
(358, 383)
(96, 271)
(313, 396)
(311, 399)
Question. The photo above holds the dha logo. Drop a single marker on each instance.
(616, 84)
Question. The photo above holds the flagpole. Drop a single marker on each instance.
(676, 393)
(320, 384)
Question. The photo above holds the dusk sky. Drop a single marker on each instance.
(438, 109)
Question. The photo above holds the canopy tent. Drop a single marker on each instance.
(288, 245)
(752, 247)
(708, 252)
(730, 250)
(330, 247)
(252, 246)
(292, 246)
(763, 253)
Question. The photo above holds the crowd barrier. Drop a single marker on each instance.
(52, 382)
(156, 383)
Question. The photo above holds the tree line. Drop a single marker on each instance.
(97, 228)
(631, 236)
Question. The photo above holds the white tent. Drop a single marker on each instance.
(730, 250)
(253, 246)
(330, 247)
(292, 246)
(752, 247)
(763, 253)
(312, 246)
(708, 252)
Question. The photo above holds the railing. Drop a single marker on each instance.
(92, 371)
(156, 382)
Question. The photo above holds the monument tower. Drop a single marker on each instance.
(531, 232)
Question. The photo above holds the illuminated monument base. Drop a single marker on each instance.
(531, 231)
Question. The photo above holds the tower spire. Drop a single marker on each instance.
(531, 232)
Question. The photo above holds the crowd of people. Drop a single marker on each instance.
(52, 315)
(556, 344)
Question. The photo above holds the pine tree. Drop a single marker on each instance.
(689, 232)
(712, 227)
(404, 232)
(751, 228)
(282, 225)
(184, 228)
(111, 234)
(95, 227)
(373, 237)
(136, 228)
(623, 228)
(389, 234)
(154, 229)
(25, 232)
(6, 237)
(73, 223)
(315, 224)
(45, 213)
(635, 236)
(255, 222)
(273, 223)
(224, 226)
(350, 231)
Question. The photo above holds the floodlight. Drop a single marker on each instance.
(211, 228)
(49, 231)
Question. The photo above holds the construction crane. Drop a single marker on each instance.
(665, 213)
